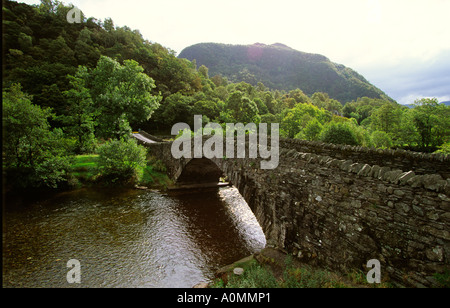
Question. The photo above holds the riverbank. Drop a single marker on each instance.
(272, 268)
(85, 173)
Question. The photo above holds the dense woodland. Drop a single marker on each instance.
(69, 89)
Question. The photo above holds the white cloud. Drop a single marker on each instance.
(411, 98)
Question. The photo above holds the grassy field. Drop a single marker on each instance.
(85, 172)
(85, 168)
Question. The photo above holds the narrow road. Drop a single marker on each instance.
(142, 138)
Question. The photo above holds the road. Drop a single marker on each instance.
(142, 138)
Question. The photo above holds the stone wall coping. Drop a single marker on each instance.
(359, 149)
(433, 182)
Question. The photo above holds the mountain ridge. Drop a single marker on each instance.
(281, 67)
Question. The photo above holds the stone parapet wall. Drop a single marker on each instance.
(420, 163)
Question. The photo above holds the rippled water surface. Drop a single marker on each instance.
(127, 238)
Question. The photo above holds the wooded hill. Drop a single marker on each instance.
(283, 68)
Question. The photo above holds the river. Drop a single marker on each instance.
(126, 238)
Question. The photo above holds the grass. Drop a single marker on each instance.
(151, 177)
(85, 172)
(443, 279)
(84, 168)
(154, 174)
(255, 276)
(266, 274)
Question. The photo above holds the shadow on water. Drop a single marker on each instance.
(127, 238)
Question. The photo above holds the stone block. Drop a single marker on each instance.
(365, 170)
(392, 176)
(355, 168)
(402, 207)
(335, 163)
(346, 165)
(416, 181)
(435, 254)
(433, 182)
(405, 177)
(375, 171)
(382, 172)
(418, 210)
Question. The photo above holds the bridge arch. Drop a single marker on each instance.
(198, 171)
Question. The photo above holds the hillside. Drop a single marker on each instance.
(40, 48)
(281, 67)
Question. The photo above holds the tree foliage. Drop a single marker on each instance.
(34, 154)
(339, 133)
(121, 95)
(121, 161)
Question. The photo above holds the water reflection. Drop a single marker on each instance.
(127, 238)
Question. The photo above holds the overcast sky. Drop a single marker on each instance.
(401, 46)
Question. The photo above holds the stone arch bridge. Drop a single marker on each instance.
(340, 206)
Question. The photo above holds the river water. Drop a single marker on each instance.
(126, 238)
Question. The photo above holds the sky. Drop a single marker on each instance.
(400, 46)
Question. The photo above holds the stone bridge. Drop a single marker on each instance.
(339, 206)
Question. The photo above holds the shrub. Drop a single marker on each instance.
(381, 140)
(121, 161)
(444, 149)
(312, 130)
(339, 133)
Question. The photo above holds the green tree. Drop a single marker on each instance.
(121, 95)
(387, 118)
(381, 139)
(33, 154)
(408, 134)
(299, 96)
(333, 106)
(207, 108)
(261, 106)
(121, 161)
(241, 108)
(269, 118)
(444, 149)
(203, 71)
(432, 123)
(249, 112)
(312, 130)
(269, 101)
(25, 42)
(79, 119)
(339, 133)
(234, 103)
(178, 108)
(296, 119)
